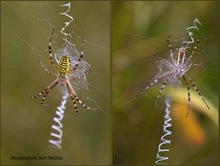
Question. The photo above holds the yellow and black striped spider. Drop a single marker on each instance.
(173, 68)
(64, 70)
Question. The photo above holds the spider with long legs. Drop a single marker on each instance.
(64, 69)
(174, 68)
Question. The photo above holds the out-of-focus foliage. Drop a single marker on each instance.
(140, 30)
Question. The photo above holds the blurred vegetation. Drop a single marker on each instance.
(139, 31)
(25, 124)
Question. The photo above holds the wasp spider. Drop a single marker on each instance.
(173, 69)
(64, 70)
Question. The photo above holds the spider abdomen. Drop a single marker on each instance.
(64, 65)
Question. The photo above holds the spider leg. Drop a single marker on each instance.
(75, 97)
(153, 82)
(170, 48)
(42, 65)
(50, 52)
(198, 64)
(80, 58)
(197, 91)
(72, 94)
(195, 47)
(158, 57)
(74, 102)
(160, 92)
(46, 91)
(158, 78)
(83, 75)
(188, 88)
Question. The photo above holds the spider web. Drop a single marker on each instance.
(196, 66)
(141, 35)
(26, 31)
(40, 26)
(204, 59)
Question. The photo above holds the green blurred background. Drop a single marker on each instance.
(140, 30)
(25, 123)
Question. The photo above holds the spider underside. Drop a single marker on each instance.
(173, 69)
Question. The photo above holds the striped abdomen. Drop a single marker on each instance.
(181, 54)
(64, 65)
